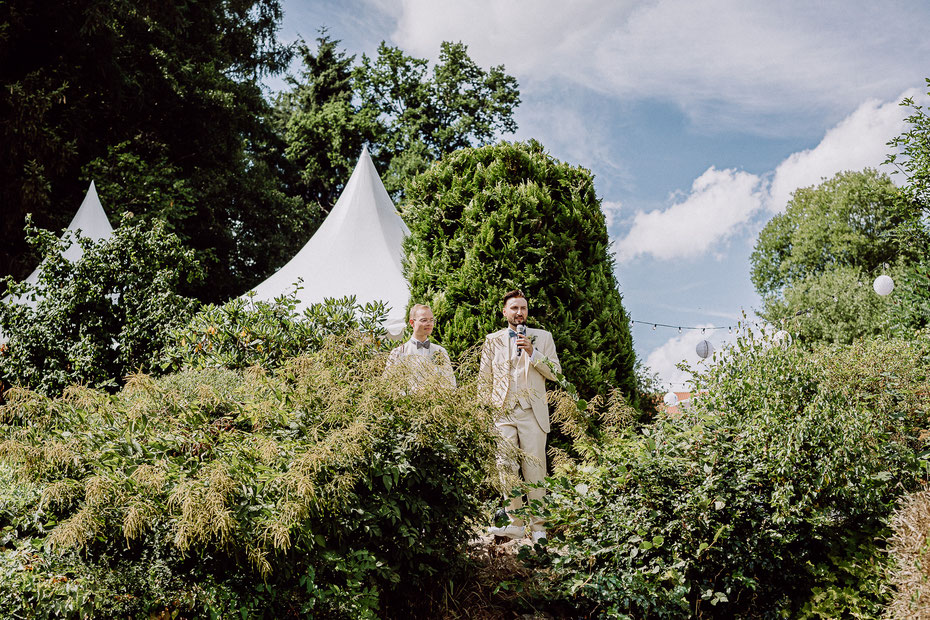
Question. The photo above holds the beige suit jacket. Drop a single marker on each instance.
(494, 374)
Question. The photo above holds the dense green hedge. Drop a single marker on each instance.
(768, 496)
(318, 489)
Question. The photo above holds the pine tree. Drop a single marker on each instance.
(487, 220)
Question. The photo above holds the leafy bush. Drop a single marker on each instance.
(316, 489)
(487, 220)
(244, 332)
(768, 496)
(99, 318)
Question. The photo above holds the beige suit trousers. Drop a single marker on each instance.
(521, 429)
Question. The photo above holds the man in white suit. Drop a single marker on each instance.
(423, 362)
(512, 377)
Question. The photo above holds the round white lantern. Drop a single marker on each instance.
(671, 399)
(704, 349)
(782, 338)
(883, 285)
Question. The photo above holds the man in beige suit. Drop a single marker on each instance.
(512, 377)
(418, 362)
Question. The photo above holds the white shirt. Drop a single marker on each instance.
(423, 365)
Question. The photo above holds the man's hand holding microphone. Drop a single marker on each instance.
(523, 343)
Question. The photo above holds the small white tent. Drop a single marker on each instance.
(92, 221)
(356, 251)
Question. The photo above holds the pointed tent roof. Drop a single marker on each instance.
(356, 251)
(91, 220)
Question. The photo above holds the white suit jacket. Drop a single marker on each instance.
(497, 358)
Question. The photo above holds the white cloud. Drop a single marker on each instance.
(722, 61)
(720, 202)
(611, 212)
(858, 141)
(681, 347)
(570, 134)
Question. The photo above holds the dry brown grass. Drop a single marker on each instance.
(909, 548)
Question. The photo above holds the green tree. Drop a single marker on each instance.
(838, 305)
(320, 123)
(912, 158)
(408, 114)
(161, 104)
(101, 318)
(814, 264)
(487, 220)
(847, 220)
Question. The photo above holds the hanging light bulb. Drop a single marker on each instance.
(883, 285)
(679, 330)
(653, 328)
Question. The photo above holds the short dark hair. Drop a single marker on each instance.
(512, 294)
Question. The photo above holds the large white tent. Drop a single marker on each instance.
(356, 251)
(92, 221)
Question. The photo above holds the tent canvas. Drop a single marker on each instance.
(356, 251)
(92, 221)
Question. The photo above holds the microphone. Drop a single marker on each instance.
(521, 331)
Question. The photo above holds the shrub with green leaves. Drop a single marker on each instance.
(243, 332)
(318, 489)
(99, 318)
(487, 220)
(769, 495)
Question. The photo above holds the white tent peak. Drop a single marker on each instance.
(356, 251)
(92, 221)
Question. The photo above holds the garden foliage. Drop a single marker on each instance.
(815, 263)
(487, 220)
(407, 113)
(244, 332)
(769, 496)
(912, 153)
(319, 489)
(101, 317)
(160, 103)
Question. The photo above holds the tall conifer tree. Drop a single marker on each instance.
(487, 220)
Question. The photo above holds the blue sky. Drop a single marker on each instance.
(698, 119)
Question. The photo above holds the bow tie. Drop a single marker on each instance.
(422, 345)
(513, 334)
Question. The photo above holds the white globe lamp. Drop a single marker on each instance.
(883, 285)
(704, 349)
(671, 399)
